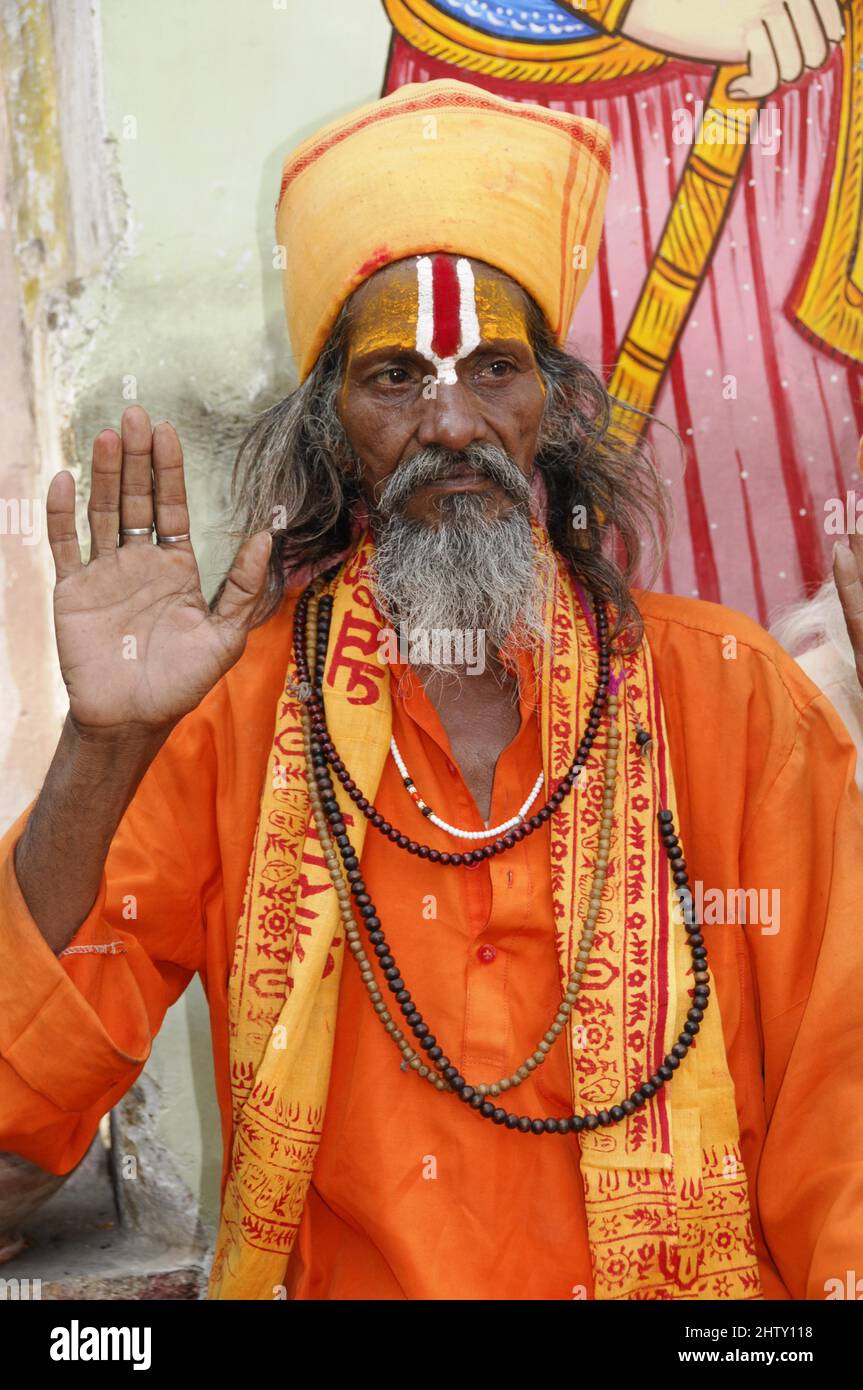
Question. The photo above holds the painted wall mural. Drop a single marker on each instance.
(728, 297)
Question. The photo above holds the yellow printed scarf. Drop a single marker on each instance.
(665, 1190)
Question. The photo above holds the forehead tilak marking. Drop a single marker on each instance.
(447, 322)
(450, 295)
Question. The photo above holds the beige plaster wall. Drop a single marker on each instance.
(139, 165)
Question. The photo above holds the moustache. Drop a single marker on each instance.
(434, 465)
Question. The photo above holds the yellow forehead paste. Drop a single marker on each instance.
(395, 316)
(500, 311)
(387, 318)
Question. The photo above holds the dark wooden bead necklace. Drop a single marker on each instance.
(348, 880)
(313, 685)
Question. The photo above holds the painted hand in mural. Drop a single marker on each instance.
(777, 39)
(137, 642)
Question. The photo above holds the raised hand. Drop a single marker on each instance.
(137, 643)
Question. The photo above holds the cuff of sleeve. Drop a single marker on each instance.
(49, 1034)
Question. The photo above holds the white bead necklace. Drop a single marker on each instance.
(429, 814)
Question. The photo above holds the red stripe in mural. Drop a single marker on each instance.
(757, 582)
(831, 436)
(647, 244)
(855, 388)
(445, 301)
(706, 573)
(796, 487)
(638, 162)
(754, 558)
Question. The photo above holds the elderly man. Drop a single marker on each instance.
(588, 1093)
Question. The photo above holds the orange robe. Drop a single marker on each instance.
(412, 1196)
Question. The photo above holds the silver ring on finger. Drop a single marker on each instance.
(172, 540)
(136, 531)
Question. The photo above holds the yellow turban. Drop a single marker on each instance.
(440, 166)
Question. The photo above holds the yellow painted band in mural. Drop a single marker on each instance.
(581, 60)
(830, 306)
(683, 255)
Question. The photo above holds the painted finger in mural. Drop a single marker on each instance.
(777, 39)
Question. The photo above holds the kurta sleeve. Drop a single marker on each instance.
(803, 841)
(76, 1029)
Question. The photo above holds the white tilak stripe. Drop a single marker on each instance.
(468, 320)
(425, 306)
(470, 334)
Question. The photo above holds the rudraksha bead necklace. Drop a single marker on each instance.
(348, 882)
(305, 662)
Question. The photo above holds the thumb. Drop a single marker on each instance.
(763, 76)
(245, 583)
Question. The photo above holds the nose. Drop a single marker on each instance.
(449, 417)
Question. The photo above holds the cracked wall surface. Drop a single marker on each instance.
(140, 155)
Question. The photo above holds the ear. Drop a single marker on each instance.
(359, 518)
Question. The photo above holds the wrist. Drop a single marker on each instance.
(99, 769)
(124, 742)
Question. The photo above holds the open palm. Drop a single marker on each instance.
(137, 643)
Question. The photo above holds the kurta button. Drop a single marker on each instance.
(486, 954)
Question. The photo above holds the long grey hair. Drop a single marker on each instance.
(608, 510)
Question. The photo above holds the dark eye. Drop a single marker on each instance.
(393, 376)
(498, 367)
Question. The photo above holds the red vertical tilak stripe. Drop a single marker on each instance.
(445, 304)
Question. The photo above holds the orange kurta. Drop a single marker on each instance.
(485, 972)
(412, 1196)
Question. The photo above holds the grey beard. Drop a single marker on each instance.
(477, 578)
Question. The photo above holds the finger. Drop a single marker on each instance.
(245, 583)
(103, 508)
(789, 54)
(172, 515)
(810, 33)
(830, 14)
(62, 532)
(763, 75)
(136, 483)
(855, 541)
(846, 574)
